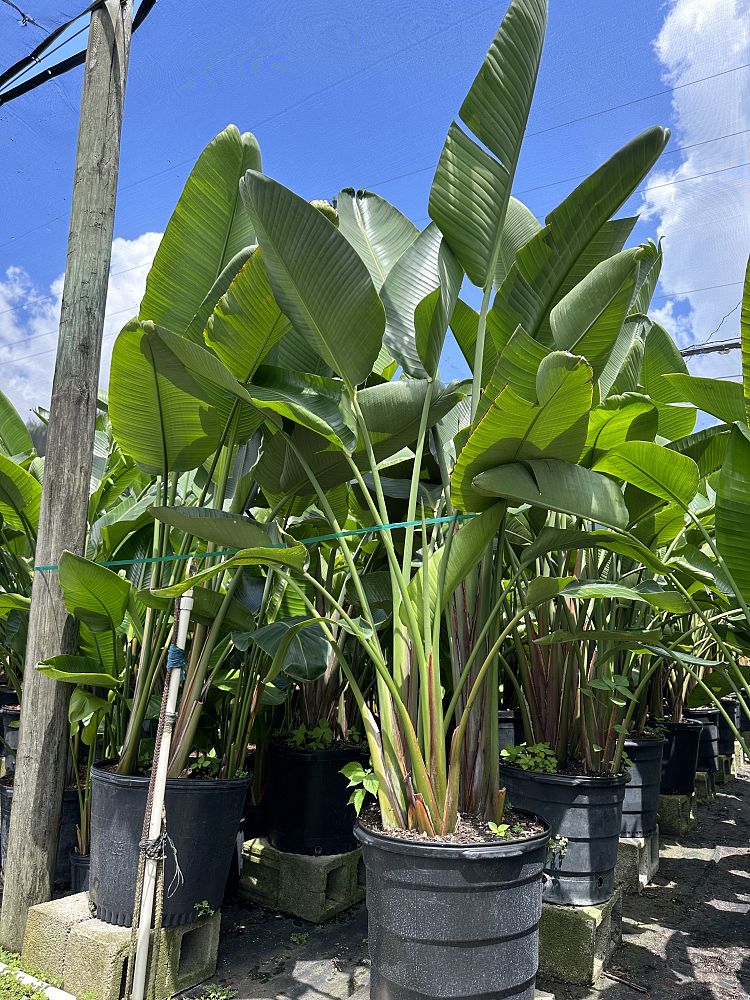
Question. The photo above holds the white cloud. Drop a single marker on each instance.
(29, 317)
(705, 223)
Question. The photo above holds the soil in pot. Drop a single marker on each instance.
(80, 865)
(450, 919)
(307, 799)
(66, 841)
(641, 801)
(584, 815)
(680, 760)
(708, 748)
(203, 817)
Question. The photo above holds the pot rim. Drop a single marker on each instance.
(688, 723)
(638, 741)
(350, 753)
(459, 852)
(100, 769)
(574, 780)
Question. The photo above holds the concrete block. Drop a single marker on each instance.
(363, 993)
(705, 786)
(746, 738)
(725, 774)
(95, 954)
(637, 862)
(739, 759)
(312, 888)
(577, 942)
(677, 814)
(48, 927)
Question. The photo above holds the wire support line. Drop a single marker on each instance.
(722, 347)
(25, 18)
(41, 354)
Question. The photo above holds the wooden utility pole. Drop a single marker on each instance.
(43, 743)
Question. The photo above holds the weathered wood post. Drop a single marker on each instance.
(43, 742)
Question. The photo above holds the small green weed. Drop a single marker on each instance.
(203, 909)
(538, 757)
(300, 938)
(213, 991)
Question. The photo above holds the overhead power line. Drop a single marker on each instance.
(722, 347)
(25, 18)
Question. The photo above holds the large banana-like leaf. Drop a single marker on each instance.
(657, 597)
(648, 276)
(94, 594)
(707, 448)
(163, 424)
(519, 227)
(745, 340)
(651, 467)
(20, 495)
(77, 670)
(292, 557)
(227, 530)
(634, 419)
(14, 436)
(721, 399)
(559, 486)
(471, 188)
(376, 229)
(733, 509)
(514, 429)
(111, 529)
(622, 372)
(661, 357)
(246, 322)
(573, 539)
(465, 324)
(544, 264)
(319, 280)
(208, 229)
(517, 367)
(425, 266)
(589, 319)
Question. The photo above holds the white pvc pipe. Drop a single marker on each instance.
(157, 808)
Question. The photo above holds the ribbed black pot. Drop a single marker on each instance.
(680, 760)
(726, 734)
(587, 812)
(453, 922)
(708, 748)
(307, 800)
(10, 719)
(641, 801)
(203, 817)
(80, 866)
(70, 817)
(509, 728)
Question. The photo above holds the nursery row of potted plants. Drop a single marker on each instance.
(380, 563)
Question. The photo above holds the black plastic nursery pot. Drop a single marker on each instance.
(452, 921)
(203, 817)
(10, 719)
(80, 866)
(708, 748)
(307, 800)
(509, 728)
(587, 812)
(726, 734)
(70, 817)
(680, 760)
(641, 802)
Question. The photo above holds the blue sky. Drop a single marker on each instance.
(361, 95)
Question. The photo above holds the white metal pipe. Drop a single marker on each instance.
(157, 808)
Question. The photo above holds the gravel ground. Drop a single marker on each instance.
(687, 937)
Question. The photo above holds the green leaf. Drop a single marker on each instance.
(656, 596)
(649, 269)
(77, 670)
(617, 637)
(226, 530)
(84, 705)
(745, 340)
(426, 265)
(514, 429)
(634, 420)
(661, 357)
(543, 588)
(559, 486)
(721, 399)
(164, 425)
(14, 436)
(733, 509)
(294, 557)
(94, 594)
(519, 227)
(707, 448)
(470, 192)
(246, 322)
(376, 229)
(319, 280)
(464, 324)
(304, 648)
(589, 319)
(208, 228)
(13, 602)
(653, 468)
(20, 495)
(572, 539)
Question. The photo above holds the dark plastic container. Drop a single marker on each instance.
(80, 865)
(70, 817)
(10, 720)
(726, 733)
(680, 760)
(453, 922)
(203, 817)
(708, 749)
(641, 801)
(510, 728)
(307, 800)
(587, 812)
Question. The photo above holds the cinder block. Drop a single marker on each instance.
(637, 862)
(724, 775)
(95, 954)
(312, 888)
(705, 786)
(577, 942)
(746, 739)
(363, 993)
(739, 759)
(48, 927)
(677, 814)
